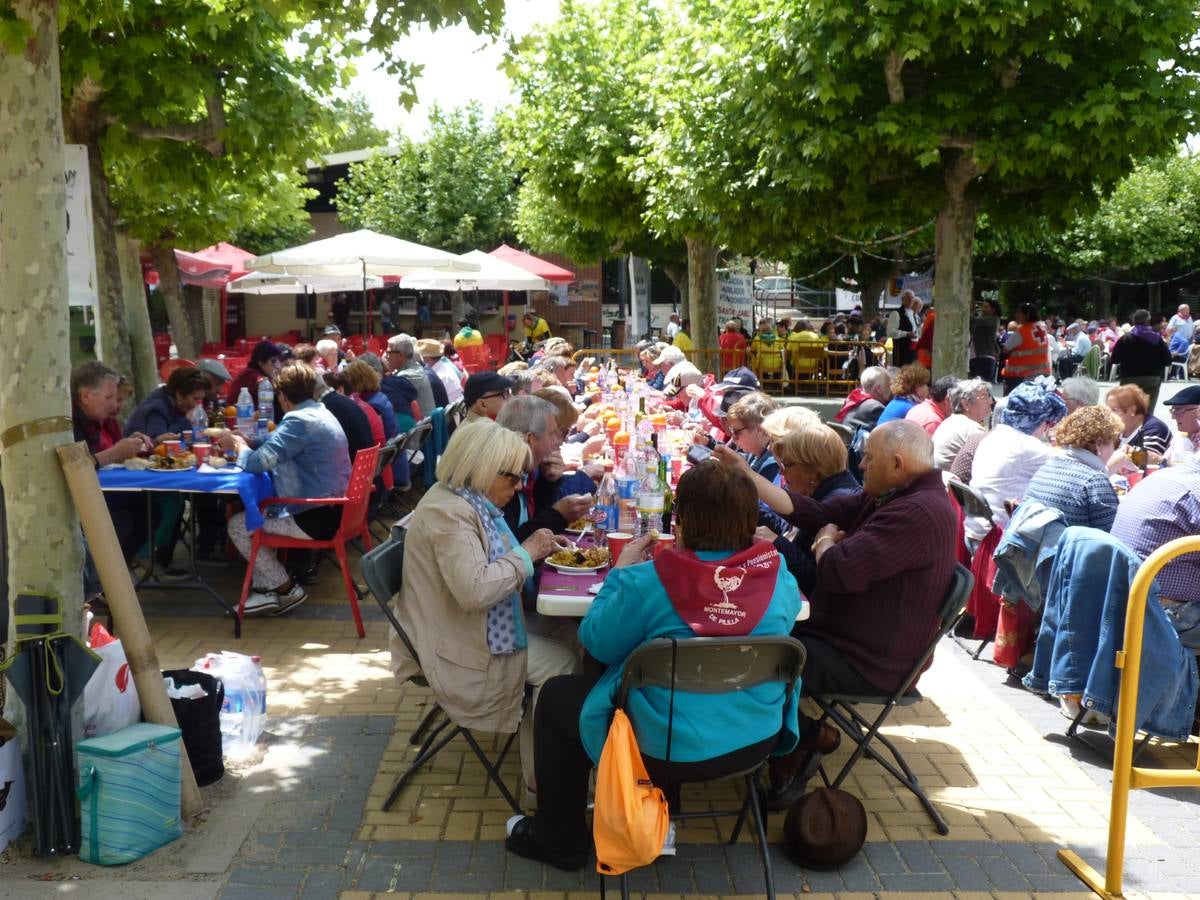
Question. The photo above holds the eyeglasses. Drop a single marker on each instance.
(734, 432)
(1177, 411)
(513, 477)
(495, 394)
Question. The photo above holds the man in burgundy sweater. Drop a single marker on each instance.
(884, 563)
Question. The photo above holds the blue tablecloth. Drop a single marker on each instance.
(252, 487)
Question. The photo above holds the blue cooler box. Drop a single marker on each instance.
(128, 793)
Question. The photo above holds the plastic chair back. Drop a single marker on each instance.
(712, 665)
(358, 493)
(415, 439)
(972, 502)
(383, 570)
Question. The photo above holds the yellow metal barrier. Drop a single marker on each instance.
(1126, 776)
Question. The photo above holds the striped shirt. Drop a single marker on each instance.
(1076, 484)
(1162, 507)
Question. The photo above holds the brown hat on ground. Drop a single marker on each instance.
(825, 829)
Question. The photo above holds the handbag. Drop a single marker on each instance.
(630, 819)
(128, 793)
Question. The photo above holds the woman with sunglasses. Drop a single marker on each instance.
(744, 425)
(460, 602)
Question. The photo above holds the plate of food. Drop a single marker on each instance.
(579, 562)
(180, 463)
(579, 526)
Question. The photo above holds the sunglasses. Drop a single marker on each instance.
(513, 477)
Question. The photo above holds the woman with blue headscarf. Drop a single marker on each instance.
(460, 602)
(1012, 452)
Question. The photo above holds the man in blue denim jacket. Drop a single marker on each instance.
(309, 457)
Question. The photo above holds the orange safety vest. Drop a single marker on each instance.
(1032, 356)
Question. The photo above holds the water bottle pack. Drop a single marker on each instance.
(244, 712)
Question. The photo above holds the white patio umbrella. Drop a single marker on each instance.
(493, 275)
(271, 283)
(359, 253)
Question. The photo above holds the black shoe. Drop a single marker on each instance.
(307, 576)
(174, 574)
(778, 799)
(212, 556)
(524, 839)
(965, 626)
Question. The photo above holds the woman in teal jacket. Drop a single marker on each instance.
(717, 581)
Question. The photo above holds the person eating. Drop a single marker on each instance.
(164, 412)
(309, 457)
(265, 360)
(665, 597)
(460, 600)
(484, 395)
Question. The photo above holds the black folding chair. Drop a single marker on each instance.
(972, 503)
(864, 732)
(383, 569)
(716, 666)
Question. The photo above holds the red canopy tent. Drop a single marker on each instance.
(213, 267)
(530, 263)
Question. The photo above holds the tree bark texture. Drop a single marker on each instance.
(702, 292)
(137, 318)
(187, 342)
(953, 282)
(679, 278)
(44, 554)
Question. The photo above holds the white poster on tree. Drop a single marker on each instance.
(81, 242)
(735, 298)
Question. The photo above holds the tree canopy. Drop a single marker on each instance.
(453, 190)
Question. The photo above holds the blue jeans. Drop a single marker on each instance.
(1185, 619)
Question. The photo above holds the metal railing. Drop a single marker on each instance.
(1126, 776)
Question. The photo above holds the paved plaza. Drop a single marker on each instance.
(306, 820)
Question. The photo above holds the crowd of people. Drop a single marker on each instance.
(805, 511)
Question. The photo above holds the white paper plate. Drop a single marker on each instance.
(574, 570)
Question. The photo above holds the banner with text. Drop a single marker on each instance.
(735, 298)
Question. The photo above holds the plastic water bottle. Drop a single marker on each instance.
(266, 400)
(694, 410)
(244, 712)
(199, 419)
(261, 431)
(245, 412)
(607, 508)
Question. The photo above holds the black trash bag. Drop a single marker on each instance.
(200, 722)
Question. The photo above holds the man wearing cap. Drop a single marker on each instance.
(218, 376)
(714, 402)
(485, 394)
(440, 370)
(1078, 344)
(865, 403)
(1185, 411)
(668, 357)
(402, 361)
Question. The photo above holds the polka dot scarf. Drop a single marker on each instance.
(505, 624)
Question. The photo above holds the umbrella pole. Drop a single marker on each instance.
(370, 324)
(80, 472)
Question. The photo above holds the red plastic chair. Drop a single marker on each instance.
(170, 365)
(475, 359)
(353, 525)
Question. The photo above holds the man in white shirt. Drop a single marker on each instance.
(1181, 323)
(1078, 345)
(902, 326)
(672, 327)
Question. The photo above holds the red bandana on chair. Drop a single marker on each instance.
(722, 597)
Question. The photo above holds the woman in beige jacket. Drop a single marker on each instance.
(461, 597)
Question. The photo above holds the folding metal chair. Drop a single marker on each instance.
(864, 732)
(383, 570)
(972, 503)
(717, 666)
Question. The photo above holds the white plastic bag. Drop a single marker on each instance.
(110, 700)
(244, 713)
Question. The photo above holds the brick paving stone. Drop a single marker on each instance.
(922, 883)
(1003, 874)
(883, 858)
(316, 838)
(322, 884)
(857, 875)
(257, 892)
(968, 874)
(312, 856)
(267, 875)
(918, 857)
(523, 874)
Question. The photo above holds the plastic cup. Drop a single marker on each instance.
(617, 541)
(201, 451)
(231, 422)
(1134, 478)
(663, 542)
(173, 447)
(1151, 469)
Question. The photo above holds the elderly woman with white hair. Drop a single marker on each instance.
(971, 402)
(461, 596)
